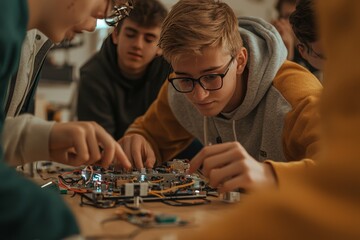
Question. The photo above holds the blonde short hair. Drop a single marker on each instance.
(193, 25)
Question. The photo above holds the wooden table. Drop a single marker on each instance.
(91, 219)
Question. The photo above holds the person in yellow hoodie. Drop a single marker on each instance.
(254, 111)
(325, 204)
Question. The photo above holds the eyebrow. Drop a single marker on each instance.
(136, 31)
(202, 71)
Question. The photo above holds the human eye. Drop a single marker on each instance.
(130, 34)
(149, 39)
(210, 77)
(185, 81)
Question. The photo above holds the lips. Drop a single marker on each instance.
(135, 54)
(204, 104)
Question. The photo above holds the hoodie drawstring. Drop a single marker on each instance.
(205, 129)
(234, 130)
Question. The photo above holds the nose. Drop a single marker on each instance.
(199, 93)
(101, 9)
(138, 42)
(90, 25)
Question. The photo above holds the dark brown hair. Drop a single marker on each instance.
(303, 22)
(146, 13)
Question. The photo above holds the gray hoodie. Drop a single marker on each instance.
(258, 122)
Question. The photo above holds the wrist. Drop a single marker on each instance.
(270, 175)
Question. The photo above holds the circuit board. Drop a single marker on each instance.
(107, 187)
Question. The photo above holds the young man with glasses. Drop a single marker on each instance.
(255, 111)
(28, 212)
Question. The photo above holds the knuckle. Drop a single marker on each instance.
(206, 166)
(86, 157)
(79, 131)
(236, 144)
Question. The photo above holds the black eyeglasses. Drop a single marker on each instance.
(119, 10)
(209, 82)
(311, 51)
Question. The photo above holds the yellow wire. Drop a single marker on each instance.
(175, 187)
(157, 181)
(156, 194)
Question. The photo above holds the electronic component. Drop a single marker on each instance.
(231, 197)
(168, 182)
(147, 219)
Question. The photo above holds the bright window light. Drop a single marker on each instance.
(101, 24)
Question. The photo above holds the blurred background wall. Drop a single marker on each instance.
(91, 42)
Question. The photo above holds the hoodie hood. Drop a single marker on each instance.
(107, 57)
(266, 54)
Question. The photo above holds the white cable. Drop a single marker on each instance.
(205, 128)
(234, 130)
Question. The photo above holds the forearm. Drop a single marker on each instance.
(26, 139)
(161, 128)
(285, 170)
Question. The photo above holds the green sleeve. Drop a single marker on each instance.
(30, 212)
(13, 24)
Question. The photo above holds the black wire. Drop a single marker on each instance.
(70, 180)
(87, 201)
(176, 203)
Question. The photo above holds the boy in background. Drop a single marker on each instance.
(120, 82)
(304, 25)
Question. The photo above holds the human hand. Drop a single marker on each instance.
(284, 28)
(79, 143)
(228, 167)
(138, 151)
